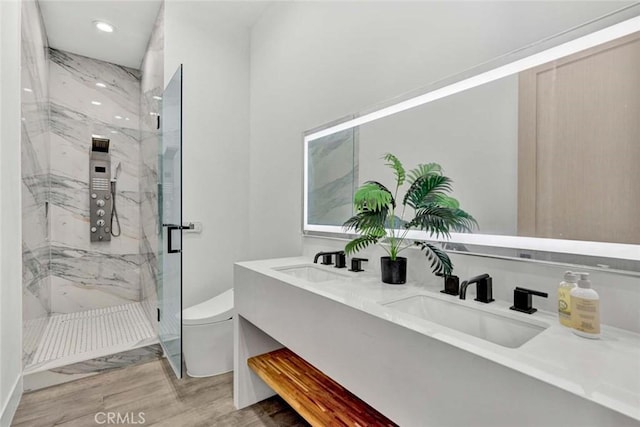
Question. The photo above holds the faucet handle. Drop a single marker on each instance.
(341, 260)
(451, 284)
(522, 300)
(356, 264)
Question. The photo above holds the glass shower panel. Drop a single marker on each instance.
(170, 210)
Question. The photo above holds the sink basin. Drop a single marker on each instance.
(311, 273)
(495, 328)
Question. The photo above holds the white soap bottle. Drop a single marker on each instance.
(564, 298)
(585, 309)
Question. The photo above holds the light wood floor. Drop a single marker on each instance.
(153, 389)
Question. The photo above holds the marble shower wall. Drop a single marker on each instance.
(35, 169)
(87, 275)
(151, 90)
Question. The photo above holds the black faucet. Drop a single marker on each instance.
(356, 264)
(326, 257)
(522, 300)
(484, 290)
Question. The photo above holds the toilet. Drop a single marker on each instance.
(207, 336)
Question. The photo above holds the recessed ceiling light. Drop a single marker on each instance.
(101, 85)
(156, 97)
(126, 118)
(96, 102)
(93, 135)
(26, 89)
(151, 113)
(114, 131)
(118, 117)
(103, 26)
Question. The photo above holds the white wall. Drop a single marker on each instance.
(307, 63)
(215, 142)
(10, 216)
(314, 62)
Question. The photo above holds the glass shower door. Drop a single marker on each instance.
(170, 212)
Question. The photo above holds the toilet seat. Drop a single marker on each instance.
(216, 309)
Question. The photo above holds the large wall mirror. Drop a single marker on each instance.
(543, 146)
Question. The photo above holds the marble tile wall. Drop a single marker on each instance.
(330, 199)
(152, 85)
(86, 275)
(35, 168)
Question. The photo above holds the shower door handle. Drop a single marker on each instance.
(170, 228)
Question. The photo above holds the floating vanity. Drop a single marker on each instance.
(421, 357)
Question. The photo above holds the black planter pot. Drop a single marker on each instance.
(394, 272)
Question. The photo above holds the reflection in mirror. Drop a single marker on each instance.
(579, 146)
(472, 135)
(332, 177)
(549, 152)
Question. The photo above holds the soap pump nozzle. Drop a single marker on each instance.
(584, 281)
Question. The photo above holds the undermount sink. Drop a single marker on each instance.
(495, 328)
(311, 273)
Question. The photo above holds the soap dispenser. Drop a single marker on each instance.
(585, 309)
(564, 298)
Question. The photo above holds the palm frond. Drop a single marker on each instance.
(398, 169)
(467, 222)
(372, 196)
(367, 222)
(446, 201)
(440, 220)
(426, 190)
(423, 170)
(360, 243)
(440, 261)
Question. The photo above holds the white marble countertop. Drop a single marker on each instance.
(604, 371)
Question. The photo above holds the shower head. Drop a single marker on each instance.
(115, 177)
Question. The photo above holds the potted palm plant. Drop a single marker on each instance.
(434, 211)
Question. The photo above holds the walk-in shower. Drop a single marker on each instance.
(90, 200)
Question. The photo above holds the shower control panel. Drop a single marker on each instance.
(100, 203)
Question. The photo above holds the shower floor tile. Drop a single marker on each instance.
(31, 337)
(74, 337)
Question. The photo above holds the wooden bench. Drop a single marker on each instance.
(316, 397)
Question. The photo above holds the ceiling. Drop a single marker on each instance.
(226, 13)
(69, 24)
